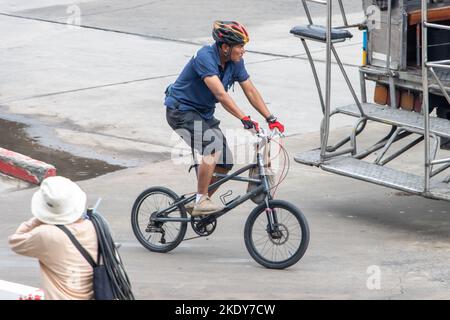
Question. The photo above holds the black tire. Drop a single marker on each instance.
(298, 248)
(138, 214)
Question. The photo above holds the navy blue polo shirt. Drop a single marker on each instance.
(190, 91)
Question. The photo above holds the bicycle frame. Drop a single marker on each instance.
(262, 188)
(275, 220)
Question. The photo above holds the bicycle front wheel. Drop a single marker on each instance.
(276, 238)
(155, 235)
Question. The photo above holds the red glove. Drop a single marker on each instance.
(274, 124)
(249, 123)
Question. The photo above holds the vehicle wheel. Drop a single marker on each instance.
(285, 243)
(155, 235)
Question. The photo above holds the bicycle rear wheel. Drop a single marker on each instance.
(155, 235)
(279, 238)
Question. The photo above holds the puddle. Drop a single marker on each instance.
(13, 137)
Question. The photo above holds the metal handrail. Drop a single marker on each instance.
(440, 62)
(437, 26)
(437, 65)
(439, 161)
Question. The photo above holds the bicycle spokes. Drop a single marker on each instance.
(152, 233)
(276, 235)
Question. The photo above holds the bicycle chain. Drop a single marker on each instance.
(193, 238)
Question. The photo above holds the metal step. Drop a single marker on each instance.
(310, 158)
(388, 115)
(439, 190)
(370, 172)
(377, 174)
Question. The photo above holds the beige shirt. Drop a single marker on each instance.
(65, 273)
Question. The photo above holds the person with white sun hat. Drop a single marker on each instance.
(65, 273)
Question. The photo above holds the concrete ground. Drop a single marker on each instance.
(96, 91)
(8, 184)
(356, 229)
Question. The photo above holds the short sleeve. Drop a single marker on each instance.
(241, 73)
(204, 66)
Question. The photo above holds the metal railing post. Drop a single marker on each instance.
(425, 102)
(392, 93)
(326, 122)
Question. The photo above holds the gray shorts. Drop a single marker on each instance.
(202, 135)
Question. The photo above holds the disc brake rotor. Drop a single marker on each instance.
(280, 234)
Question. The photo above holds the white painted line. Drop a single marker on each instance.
(16, 287)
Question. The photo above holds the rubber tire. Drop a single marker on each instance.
(303, 244)
(135, 226)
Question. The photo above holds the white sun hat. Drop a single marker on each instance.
(58, 201)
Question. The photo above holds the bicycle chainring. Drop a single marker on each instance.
(205, 226)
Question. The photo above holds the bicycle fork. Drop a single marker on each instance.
(273, 229)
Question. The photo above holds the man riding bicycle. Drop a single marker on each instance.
(191, 101)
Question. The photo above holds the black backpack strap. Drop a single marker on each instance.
(78, 245)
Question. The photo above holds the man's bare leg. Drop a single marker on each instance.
(203, 204)
(214, 179)
(205, 173)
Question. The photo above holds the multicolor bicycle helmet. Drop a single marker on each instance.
(230, 32)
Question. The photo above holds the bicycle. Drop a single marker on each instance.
(159, 219)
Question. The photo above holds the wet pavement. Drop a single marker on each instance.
(13, 137)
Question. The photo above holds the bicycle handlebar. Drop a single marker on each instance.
(269, 134)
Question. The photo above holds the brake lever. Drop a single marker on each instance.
(278, 132)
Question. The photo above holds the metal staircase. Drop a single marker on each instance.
(345, 160)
